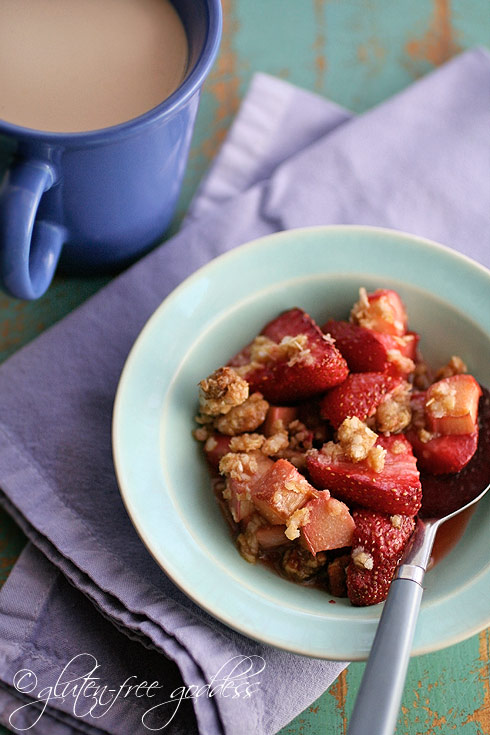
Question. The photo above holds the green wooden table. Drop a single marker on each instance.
(358, 53)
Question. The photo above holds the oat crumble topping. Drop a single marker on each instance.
(398, 447)
(394, 413)
(248, 544)
(396, 521)
(275, 443)
(356, 439)
(376, 458)
(245, 417)
(404, 364)
(201, 434)
(425, 436)
(442, 400)
(362, 559)
(238, 465)
(246, 442)
(300, 565)
(221, 391)
(455, 366)
(296, 521)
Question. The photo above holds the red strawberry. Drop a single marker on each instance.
(359, 395)
(285, 377)
(366, 350)
(396, 489)
(377, 546)
(443, 454)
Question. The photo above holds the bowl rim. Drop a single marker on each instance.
(174, 295)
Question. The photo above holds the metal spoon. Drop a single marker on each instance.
(378, 700)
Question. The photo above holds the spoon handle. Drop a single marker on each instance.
(378, 700)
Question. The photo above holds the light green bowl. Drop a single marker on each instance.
(162, 475)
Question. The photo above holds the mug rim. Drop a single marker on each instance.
(165, 109)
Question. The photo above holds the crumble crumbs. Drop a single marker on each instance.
(245, 417)
(396, 521)
(362, 559)
(403, 363)
(356, 439)
(246, 442)
(221, 391)
(455, 366)
(248, 544)
(425, 436)
(376, 458)
(442, 400)
(299, 436)
(398, 447)
(238, 465)
(422, 376)
(394, 413)
(300, 565)
(275, 443)
(291, 349)
(201, 434)
(296, 521)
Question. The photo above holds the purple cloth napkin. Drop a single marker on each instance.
(86, 590)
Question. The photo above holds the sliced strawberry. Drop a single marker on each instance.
(443, 454)
(329, 524)
(368, 351)
(278, 418)
(451, 405)
(359, 395)
(362, 348)
(382, 310)
(284, 376)
(280, 492)
(377, 546)
(365, 587)
(215, 447)
(395, 489)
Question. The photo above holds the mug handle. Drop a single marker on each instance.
(29, 250)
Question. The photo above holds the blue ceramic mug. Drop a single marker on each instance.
(96, 200)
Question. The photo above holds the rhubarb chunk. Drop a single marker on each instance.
(280, 492)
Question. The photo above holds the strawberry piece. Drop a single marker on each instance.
(382, 310)
(395, 489)
(359, 395)
(368, 351)
(280, 492)
(329, 524)
(276, 414)
(283, 376)
(443, 454)
(451, 405)
(215, 447)
(377, 546)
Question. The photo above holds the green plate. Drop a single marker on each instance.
(162, 475)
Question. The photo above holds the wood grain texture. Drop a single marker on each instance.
(358, 53)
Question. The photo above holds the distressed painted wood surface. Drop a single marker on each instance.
(357, 52)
